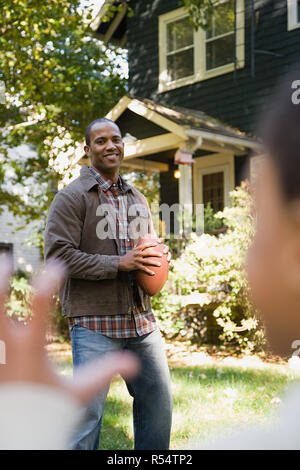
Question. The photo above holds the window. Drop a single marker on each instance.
(293, 14)
(213, 190)
(187, 56)
(6, 248)
(180, 49)
(213, 179)
(220, 37)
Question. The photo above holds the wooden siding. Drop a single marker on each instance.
(236, 99)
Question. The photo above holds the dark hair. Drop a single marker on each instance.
(89, 128)
(281, 133)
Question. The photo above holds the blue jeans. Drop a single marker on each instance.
(150, 389)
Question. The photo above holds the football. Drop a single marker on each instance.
(152, 284)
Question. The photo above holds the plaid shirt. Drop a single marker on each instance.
(136, 322)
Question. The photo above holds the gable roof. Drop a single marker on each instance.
(197, 120)
(169, 128)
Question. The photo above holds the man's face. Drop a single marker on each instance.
(106, 149)
(273, 263)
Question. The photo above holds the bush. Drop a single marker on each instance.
(18, 306)
(206, 298)
(212, 223)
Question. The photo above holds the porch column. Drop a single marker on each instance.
(185, 185)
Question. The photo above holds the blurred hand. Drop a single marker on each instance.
(26, 357)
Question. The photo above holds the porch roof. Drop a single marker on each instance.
(198, 121)
(170, 128)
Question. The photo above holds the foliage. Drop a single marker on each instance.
(58, 325)
(208, 288)
(58, 78)
(200, 11)
(113, 7)
(145, 181)
(212, 223)
(19, 307)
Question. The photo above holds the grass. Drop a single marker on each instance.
(210, 395)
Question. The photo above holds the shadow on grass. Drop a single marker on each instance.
(199, 388)
(202, 395)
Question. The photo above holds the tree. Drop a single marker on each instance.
(58, 78)
(207, 296)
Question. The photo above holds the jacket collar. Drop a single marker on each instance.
(89, 181)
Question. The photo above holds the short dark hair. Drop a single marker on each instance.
(89, 128)
(281, 133)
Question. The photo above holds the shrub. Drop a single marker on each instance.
(18, 308)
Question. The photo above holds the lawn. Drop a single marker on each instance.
(210, 393)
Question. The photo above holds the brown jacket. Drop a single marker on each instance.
(94, 285)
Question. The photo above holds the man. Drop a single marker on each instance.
(88, 229)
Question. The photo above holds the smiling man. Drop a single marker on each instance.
(107, 310)
(105, 147)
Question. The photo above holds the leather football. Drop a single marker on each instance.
(152, 284)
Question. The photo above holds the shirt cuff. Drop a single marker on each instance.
(112, 267)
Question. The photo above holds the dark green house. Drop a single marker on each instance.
(195, 96)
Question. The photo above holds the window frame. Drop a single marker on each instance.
(168, 53)
(292, 15)
(200, 72)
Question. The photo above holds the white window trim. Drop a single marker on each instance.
(199, 51)
(292, 15)
(214, 164)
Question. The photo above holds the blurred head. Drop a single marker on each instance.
(274, 257)
(104, 146)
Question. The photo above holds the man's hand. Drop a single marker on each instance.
(166, 250)
(26, 357)
(137, 258)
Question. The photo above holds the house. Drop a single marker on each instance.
(195, 96)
